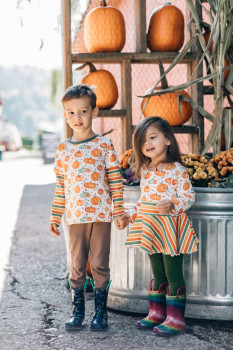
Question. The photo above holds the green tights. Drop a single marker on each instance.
(167, 269)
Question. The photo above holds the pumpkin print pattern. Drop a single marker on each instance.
(88, 181)
(170, 233)
(171, 183)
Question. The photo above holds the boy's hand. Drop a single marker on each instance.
(122, 221)
(165, 206)
(54, 230)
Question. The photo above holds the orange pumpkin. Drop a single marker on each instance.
(166, 107)
(112, 158)
(147, 189)
(78, 154)
(186, 186)
(96, 152)
(61, 146)
(105, 86)
(166, 29)
(75, 165)
(77, 189)
(147, 176)
(89, 185)
(59, 163)
(95, 176)
(78, 213)
(89, 161)
(79, 178)
(103, 145)
(90, 210)
(104, 29)
(95, 200)
(162, 188)
(155, 197)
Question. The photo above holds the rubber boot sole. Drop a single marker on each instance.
(73, 329)
(99, 329)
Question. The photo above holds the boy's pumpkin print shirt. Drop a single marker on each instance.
(170, 183)
(88, 181)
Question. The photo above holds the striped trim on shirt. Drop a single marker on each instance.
(116, 189)
(58, 205)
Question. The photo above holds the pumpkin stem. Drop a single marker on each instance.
(164, 80)
(103, 3)
(91, 66)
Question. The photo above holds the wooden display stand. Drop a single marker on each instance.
(195, 130)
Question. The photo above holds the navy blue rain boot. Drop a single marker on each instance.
(75, 320)
(100, 320)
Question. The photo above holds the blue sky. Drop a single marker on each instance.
(22, 31)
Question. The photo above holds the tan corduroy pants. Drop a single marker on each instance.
(93, 237)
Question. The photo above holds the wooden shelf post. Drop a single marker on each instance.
(140, 26)
(67, 59)
(126, 84)
(196, 142)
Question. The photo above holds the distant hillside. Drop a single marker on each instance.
(25, 92)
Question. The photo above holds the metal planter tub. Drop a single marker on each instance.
(208, 273)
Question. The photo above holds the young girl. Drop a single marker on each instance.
(160, 225)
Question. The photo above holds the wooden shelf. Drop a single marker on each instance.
(186, 129)
(134, 57)
(109, 113)
(181, 129)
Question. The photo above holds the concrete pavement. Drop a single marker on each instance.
(34, 300)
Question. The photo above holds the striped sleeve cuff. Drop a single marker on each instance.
(58, 205)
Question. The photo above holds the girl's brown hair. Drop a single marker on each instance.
(173, 152)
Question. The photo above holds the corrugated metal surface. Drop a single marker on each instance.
(208, 273)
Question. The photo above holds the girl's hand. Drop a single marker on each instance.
(122, 221)
(165, 206)
(54, 230)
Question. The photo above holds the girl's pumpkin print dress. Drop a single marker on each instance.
(172, 233)
(88, 181)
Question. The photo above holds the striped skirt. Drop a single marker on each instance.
(167, 234)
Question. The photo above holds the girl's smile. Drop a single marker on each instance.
(155, 145)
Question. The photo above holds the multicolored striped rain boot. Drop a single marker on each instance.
(157, 308)
(175, 321)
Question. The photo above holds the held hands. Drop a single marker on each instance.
(122, 221)
(165, 206)
(54, 230)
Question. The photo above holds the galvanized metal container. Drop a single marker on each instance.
(208, 273)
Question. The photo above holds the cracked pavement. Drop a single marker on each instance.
(35, 301)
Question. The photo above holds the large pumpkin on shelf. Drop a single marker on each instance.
(166, 107)
(104, 29)
(104, 84)
(166, 29)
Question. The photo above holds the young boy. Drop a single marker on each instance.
(88, 180)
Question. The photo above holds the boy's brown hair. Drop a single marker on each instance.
(78, 91)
